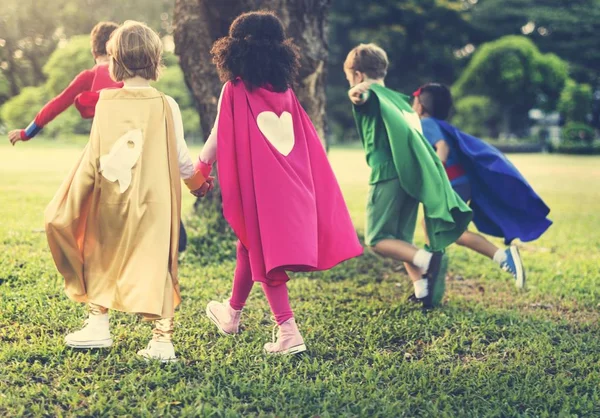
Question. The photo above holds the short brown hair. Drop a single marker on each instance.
(369, 59)
(135, 50)
(100, 36)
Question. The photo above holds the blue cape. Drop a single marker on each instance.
(504, 204)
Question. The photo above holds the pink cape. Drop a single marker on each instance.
(288, 211)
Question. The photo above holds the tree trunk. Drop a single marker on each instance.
(198, 23)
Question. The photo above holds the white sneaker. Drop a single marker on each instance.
(224, 317)
(94, 334)
(289, 340)
(158, 350)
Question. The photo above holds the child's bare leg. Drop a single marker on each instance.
(478, 243)
(475, 242)
(415, 260)
(396, 249)
(414, 272)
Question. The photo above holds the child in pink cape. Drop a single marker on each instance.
(280, 195)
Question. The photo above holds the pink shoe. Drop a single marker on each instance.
(289, 340)
(224, 316)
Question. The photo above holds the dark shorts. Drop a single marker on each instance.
(464, 191)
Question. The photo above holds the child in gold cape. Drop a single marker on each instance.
(113, 226)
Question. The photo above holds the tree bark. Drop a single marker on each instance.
(198, 23)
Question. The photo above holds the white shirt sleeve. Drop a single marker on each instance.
(186, 165)
(208, 154)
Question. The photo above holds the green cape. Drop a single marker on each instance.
(420, 171)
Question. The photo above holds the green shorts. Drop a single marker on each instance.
(391, 213)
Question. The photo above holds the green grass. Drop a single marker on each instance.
(489, 351)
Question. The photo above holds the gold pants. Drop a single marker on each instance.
(163, 327)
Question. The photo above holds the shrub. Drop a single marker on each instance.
(577, 132)
(575, 101)
(477, 115)
(20, 110)
(172, 82)
(65, 63)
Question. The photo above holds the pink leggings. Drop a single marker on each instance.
(242, 285)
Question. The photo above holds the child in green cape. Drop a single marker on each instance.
(405, 171)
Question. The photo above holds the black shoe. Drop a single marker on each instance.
(414, 299)
(436, 280)
(182, 238)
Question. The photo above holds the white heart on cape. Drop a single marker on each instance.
(279, 131)
(413, 121)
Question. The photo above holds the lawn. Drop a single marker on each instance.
(489, 351)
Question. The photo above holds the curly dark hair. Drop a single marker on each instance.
(257, 51)
(100, 35)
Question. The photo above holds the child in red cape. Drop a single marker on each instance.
(83, 91)
(280, 195)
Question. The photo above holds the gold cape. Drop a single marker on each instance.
(115, 248)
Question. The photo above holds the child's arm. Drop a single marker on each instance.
(193, 178)
(442, 150)
(208, 155)
(433, 134)
(81, 83)
(359, 94)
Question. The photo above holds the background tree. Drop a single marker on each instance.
(575, 101)
(477, 115)
(31, 30)
(427, 40)
(568, 28)
(198, 23)
(516, 76)
(421, 38)
(62, 66)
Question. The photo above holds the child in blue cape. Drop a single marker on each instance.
(503, 203)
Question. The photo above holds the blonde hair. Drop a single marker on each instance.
(135, 50)
(369, 59)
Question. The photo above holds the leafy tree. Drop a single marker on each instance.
(477, 115)
(66, 62)
(30, 31)
(60, 69)
(516, 76)
(575, 101)
(4, 88)
(578, 132)
(172, 82)
(420, 37)
(79, 16)
(20, 110)
(568, 28)
(28, 35)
